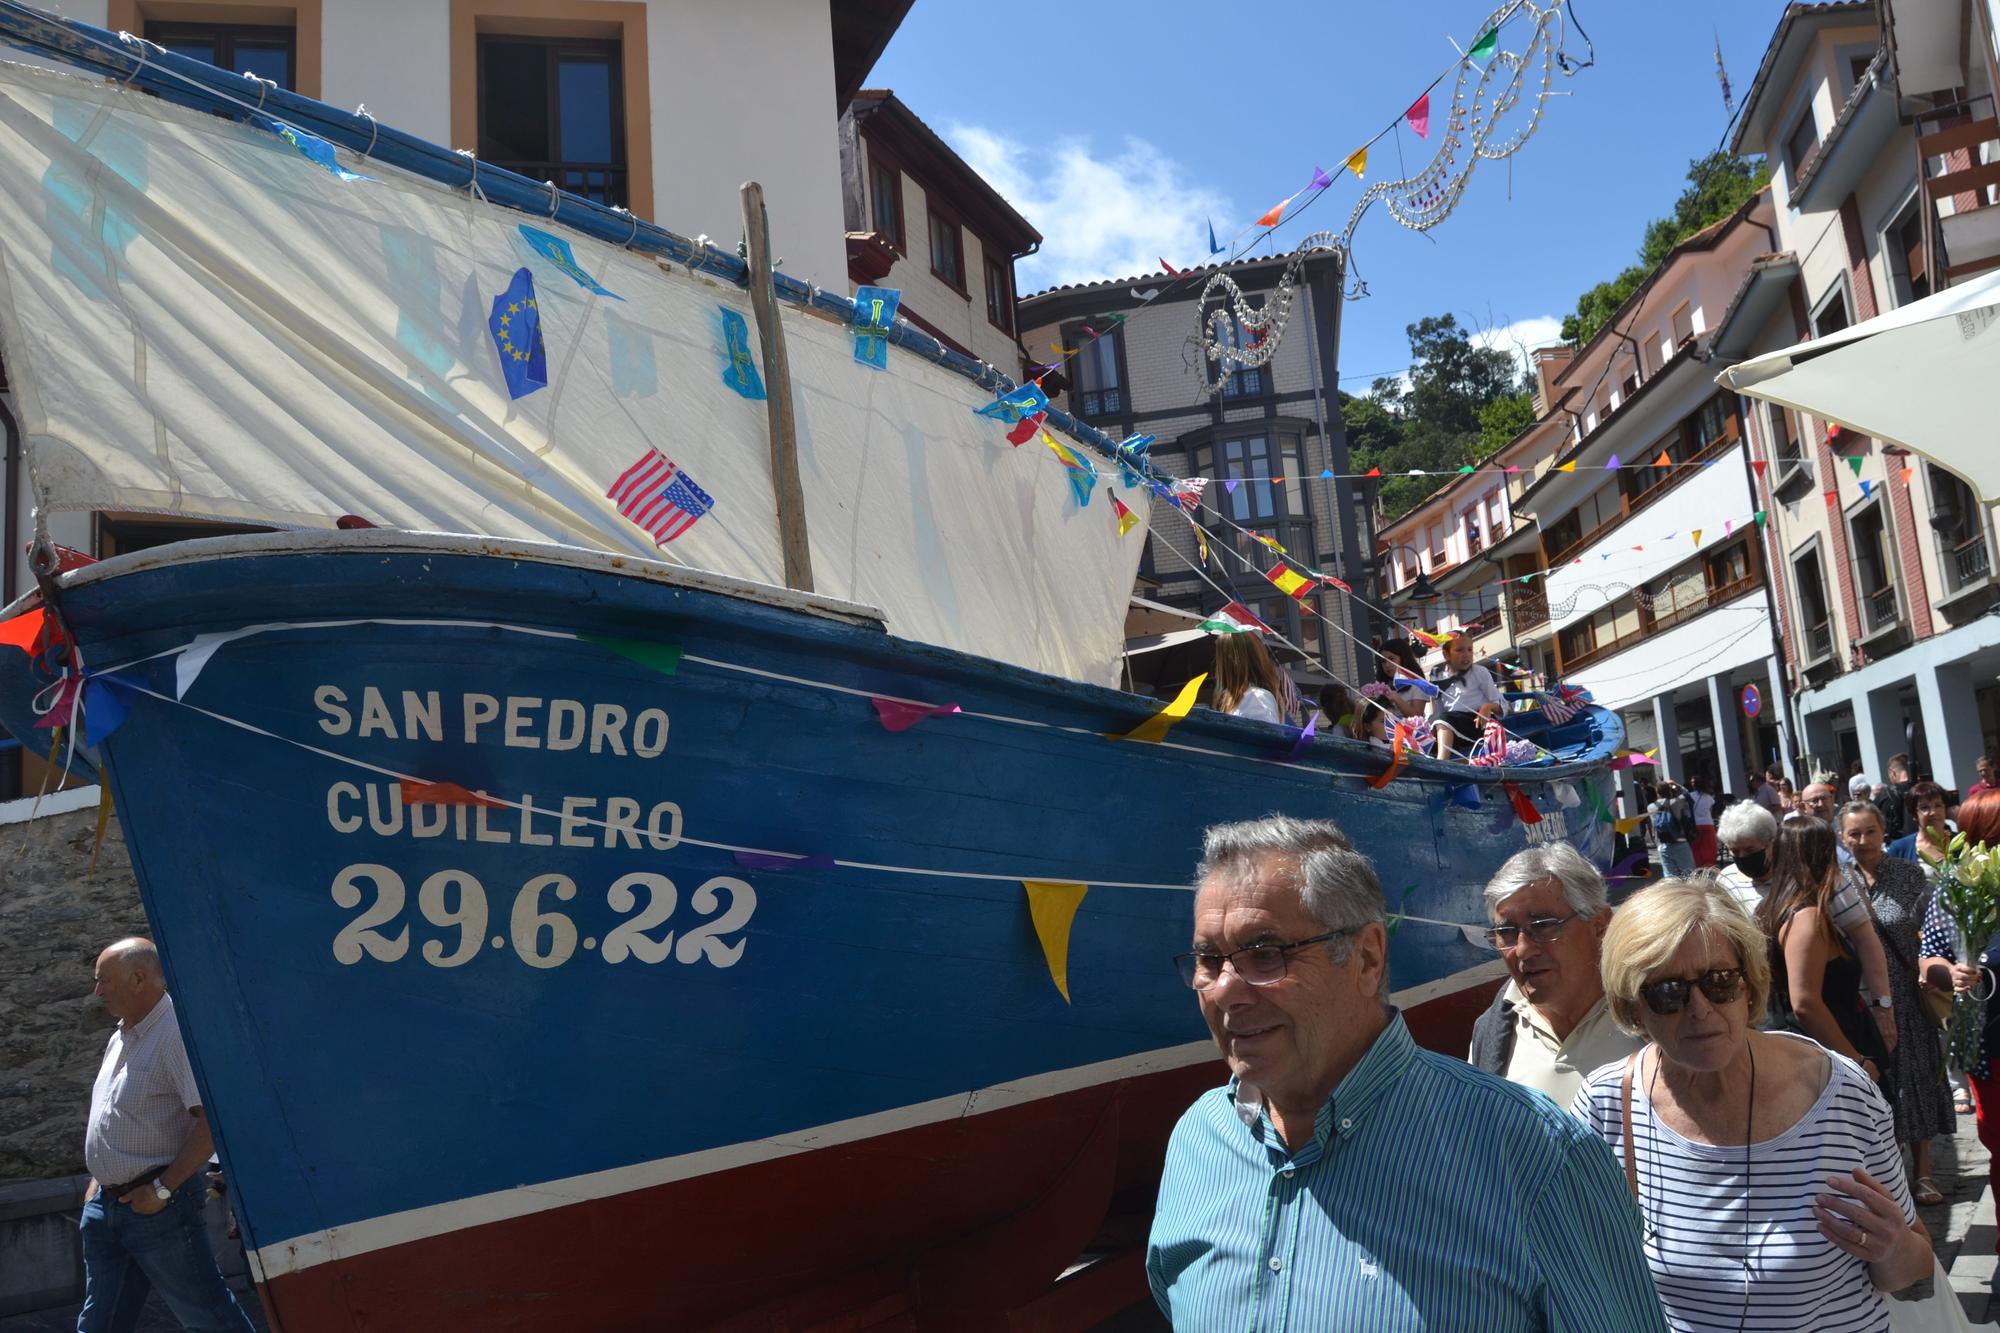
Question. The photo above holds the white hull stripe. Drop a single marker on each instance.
(391, 1229)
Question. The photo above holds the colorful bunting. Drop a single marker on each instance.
(874, 317)
(1524, 806)
(1082, 472)
(104, 708)
(1397, 740)
(1303, 743)
(556, 250)
(1908, 472)
(1319, 181)
(1627, 825)
(1126, 518)
(1697, 536)
(1613, 463)
(1758, 465)
(1052, 907)
(1276, 213)
(1867, 488)
(1419, 116)
(1024, 430)
(24, 630)
(1831, 497)
(1357, 162)
(1760, 516)
(1155, 728)
(1169, 269)
(1289, 581)
(1270, 542)
(899, 716)
(446, 793)
(1187, 495)
(1230, 484)
(516, 326)
(1021, 403)
(1235, 618)
(1663, 460)
(1214, 246)
(1854, 462)
(1132, 461)
(1484, 47)
(1567, 467)
(1728, 527)
(1373, 472)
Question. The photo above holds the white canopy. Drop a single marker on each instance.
(1923, 376)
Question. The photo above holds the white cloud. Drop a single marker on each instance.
(1108, 216)
(1522, 337)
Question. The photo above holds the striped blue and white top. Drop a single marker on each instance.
(1693, 1198)
(1431, 1197)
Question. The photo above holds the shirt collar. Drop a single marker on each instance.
(1378, 1071)
(163, 1005)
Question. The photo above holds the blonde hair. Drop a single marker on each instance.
(1650, 928)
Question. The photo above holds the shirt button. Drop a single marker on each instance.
(1291, 1171)
(1347, 1124)
(1276, 1263)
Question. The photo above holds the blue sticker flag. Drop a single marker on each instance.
(1133, 462)
(556, 250)
(874, 316)
(1012, 407)
(516, 325)
(314, 149)
(739, 363)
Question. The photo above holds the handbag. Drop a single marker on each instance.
(1939, 1312)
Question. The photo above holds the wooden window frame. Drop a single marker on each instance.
(899, 240)
(554, 47)
(932, 216)
(303, 17)
(988, 267)
(226, 36)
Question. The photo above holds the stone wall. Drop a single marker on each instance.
(54, 920)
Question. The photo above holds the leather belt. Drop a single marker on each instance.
(146, 1178)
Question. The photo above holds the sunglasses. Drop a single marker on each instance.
(1720, 985)
(1541, 929)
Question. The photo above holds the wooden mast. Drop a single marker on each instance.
(778, 393)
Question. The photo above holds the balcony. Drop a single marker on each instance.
(1968, 564)
(1879, 611)
(1819, 642)
(1956, 158)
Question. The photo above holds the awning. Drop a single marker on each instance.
(1923, 376)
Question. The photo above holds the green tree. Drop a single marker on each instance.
(1501, 420)
(1717, 185)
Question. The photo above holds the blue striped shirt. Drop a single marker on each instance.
(1431, 1197)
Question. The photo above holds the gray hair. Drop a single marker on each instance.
(1582, 885)
(1336, 884)
(138, 954)
(1747, 821)
(1859, 808)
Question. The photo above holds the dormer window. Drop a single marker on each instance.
(1800, 145)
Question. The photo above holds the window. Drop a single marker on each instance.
(1959, 531)
(1816, 627)
(242, 48)
(1875, 576)
(885, 199)
(1903, 246)
(1831, 315)
(554, 109)
(1098, 391)
(999, 305)
(1472, 539)
(947, 252)
(1683, 326)
(1265, 509)
(1799, 146)
(1857, 67)
(1786, 450)
(1243, 381)
(1697, 433)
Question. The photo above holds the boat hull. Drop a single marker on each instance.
(588, 1054)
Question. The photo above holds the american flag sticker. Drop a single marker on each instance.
(659, 497)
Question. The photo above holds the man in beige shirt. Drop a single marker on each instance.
(1549, 1026)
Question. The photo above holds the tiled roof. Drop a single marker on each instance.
(1196, 271)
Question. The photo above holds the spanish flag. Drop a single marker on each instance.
(1289, 581)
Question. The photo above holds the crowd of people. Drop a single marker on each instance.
(1753, 1055)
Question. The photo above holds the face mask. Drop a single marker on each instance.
(1754, 864)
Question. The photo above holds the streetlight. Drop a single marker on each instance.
(1422, 590)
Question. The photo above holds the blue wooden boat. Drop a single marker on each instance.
(566, 938)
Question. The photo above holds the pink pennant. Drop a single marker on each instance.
(899, 716)
(68, 689)
(1419, 116)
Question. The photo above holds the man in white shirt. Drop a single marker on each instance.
(1466, 697)
(1549, 1027)
(146, 1145)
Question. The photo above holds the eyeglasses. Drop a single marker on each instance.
(1719, 984)
(1541, 929)
(1258, 964)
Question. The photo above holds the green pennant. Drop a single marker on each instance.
(1467, 468)
(1854, 461)
(1484, 47)
(1762, 514)
(664, 658)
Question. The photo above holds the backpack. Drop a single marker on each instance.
(1671, 823)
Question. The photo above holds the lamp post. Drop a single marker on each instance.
(1422, 589)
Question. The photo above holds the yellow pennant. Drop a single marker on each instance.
(1156, 727)
(1357, 162)
(1052, 904)
(1627, 825)
(1268, 542)
(1567, 467)
(1697, 536)
(1126, 518)
(1202, 537)
(1062, 450)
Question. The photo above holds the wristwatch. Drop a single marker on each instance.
(1885, 1002)
(161, 1192)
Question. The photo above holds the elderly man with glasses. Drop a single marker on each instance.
(1345, 1177)
(1549, 1025)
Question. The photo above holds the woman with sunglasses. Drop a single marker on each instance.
(1765, 1169)
(1816, 982)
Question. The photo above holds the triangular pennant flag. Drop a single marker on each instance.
(1419, 116)
(24, 630)
(664, 658)
(1524, 805)
(1854, 461)
(104, 708)
(1229, 484)
(1867, 488)
(1908, 472)
(1276, 213)
(1201, 538)
(783, 861)
(1024, 429)
(1697, 536)
(1758, 465)
(1357, 162)
(1155, 728)
(1627, 825)
(1303, 743)
(1052, 907)
(1760, 517)
(1566, 467)
(1831, 497)
(1612, 465)
(1326, 474)
(1486, 44)
(68, 690)
(1214, 247)
(1373, 472)
(1235, 618)
(1663, 460)
(1670, 536)
(899, 716)
(1463, 470)
(445, 793)
(1270, 542)
(1319, 181)
(1338, 584)
(1126, 518)
(1728, 527)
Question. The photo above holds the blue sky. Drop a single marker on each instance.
(1123, 124)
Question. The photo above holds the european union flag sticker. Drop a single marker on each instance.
(874, 316)
(516, 325)
(556, 250)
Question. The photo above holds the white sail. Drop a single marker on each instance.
(199, 320)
